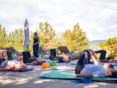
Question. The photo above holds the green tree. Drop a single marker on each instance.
(110, 46)
(46, 34)
(16, 39)
(76, 39)
(31, 43)
(3, 36)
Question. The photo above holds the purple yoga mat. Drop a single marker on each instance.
(23, 70)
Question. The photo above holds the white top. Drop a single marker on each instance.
(12, 62)
(95, 70)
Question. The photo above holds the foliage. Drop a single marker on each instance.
(3, 36)
(110, 46)
(14, 39)
(47, 35)
(76, 39)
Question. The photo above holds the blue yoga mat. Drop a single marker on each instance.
(69, 75)
(30, 66)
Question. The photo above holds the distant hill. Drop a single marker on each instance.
(95, 44)
(92, 44)
(97, 41)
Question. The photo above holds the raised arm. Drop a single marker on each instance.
(93, 57)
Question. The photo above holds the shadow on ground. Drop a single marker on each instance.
(31, 79)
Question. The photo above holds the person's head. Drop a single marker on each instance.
(35, 34)
(113, 74)
(108, 66)
(20, 66)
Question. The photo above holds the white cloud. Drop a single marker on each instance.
(96, 17)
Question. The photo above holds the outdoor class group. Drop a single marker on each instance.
(88, 64)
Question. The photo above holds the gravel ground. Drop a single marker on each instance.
(31, 79)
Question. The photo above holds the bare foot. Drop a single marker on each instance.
(65, 57)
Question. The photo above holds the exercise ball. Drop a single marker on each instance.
(21, 57)
(45, 65)
(52, 63)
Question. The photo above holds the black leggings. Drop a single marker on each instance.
(102, 54)
(83, 58)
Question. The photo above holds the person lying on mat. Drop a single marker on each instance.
(84, 68)
(7, 65)
(35, 61)
(103, 57)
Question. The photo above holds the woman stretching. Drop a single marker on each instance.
(7, 65)
(84, 68)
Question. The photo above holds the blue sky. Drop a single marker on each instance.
(98, 18)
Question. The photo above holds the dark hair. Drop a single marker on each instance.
(35, 33)
(111, 66)
(114, 74)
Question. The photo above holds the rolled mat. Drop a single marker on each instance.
(69, 75)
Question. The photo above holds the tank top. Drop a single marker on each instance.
(35, 39)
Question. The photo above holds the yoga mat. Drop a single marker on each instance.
(30, 66)
(23, 70)
(114, 64)
(73, 63)
(69, 75)
(64, 68)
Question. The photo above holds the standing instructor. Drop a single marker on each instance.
(36, 41)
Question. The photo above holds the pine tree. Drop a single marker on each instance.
(16, 39)
(46, 34)
(76, 39)
(110, 46)
(3, 36)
